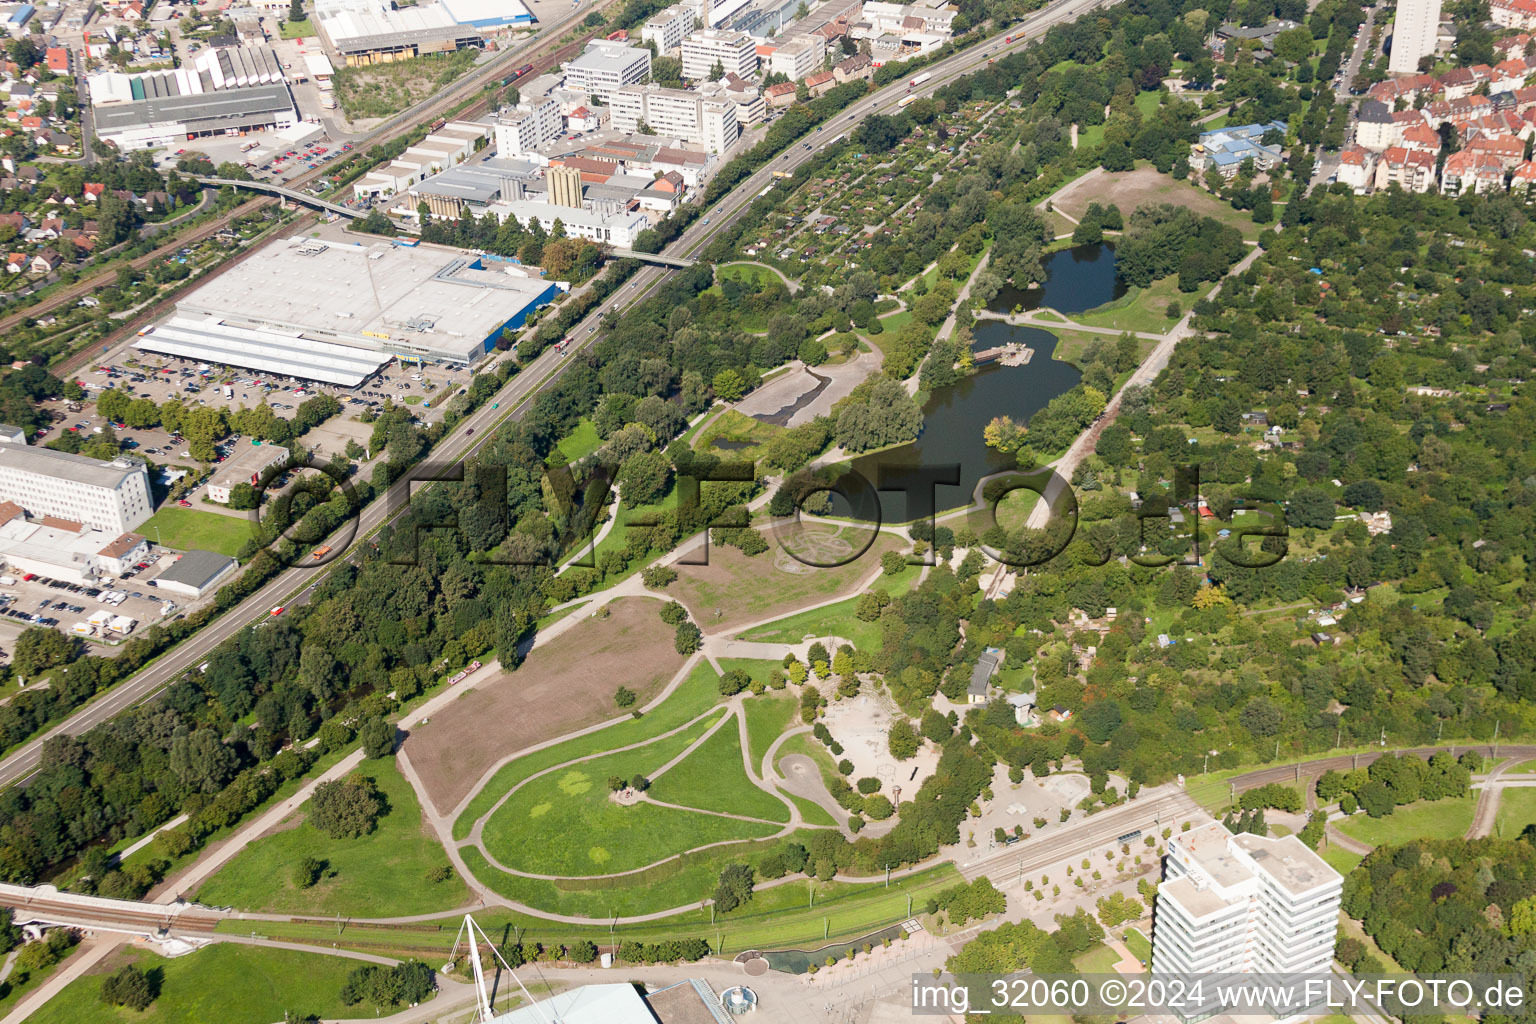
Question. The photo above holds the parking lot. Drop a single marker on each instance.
(39, 600)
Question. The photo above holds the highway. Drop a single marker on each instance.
(513, 398)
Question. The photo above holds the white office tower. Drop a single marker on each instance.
(1244, 904)
(521, 129)
(108, 496)
(1413, 35)
(735, 52)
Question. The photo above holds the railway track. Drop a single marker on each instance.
(38, 906)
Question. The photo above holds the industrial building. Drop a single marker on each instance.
(216, 70)
(227, 90)
(338, 312)
(617, 228)
(449, 145)
(380, 34)
(604, 67)
(62, 549)
(488, 14)
(797, 56)
(676, 113)
(684, 1002)
(1246, 904)
(195, 573)
(245, 465)
(108, 496)
(474, 187)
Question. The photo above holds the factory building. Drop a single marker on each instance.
(337, 313)
(379, 34)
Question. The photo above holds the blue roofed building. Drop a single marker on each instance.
(488, 14)
(1227, 148)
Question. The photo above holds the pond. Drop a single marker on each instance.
(1076, 280)
(954, 417)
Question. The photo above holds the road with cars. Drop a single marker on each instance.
(511, 401)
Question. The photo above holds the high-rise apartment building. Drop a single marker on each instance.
(1244, 904)
(109, 496)
(1413, 34)
(676, 113)
(735, 52)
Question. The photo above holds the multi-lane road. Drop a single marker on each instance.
(513, 398)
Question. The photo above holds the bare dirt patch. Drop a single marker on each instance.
(565, 685)
(1130, 189)
(734, 589)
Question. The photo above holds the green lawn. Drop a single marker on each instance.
(1100, 959)
(578, 444)
(767, 716)
(297, 29)
(564, 823)
(692, 698)
(1427, 819)
(383, 874)
(1340, 860)
(224, 983)
(1517, 809)
(187, 528)
(1142, 309)
(1139, 945)
(746, 272)
(713, 778)
(833, 620)
(16, 987)
(776, 918)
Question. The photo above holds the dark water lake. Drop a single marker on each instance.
(1076, 280)
(954, 417)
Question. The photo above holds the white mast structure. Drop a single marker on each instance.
(467, 937)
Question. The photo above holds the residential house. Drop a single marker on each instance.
(1357, 168)
(981, 676)
(1463, 82)
(820, 83)
(93, 190)
(1421, 137)
(16, 262)
(1519, 14)
(57, 59)
(1508, 152)
(1412, 170)
(1523, 178)
(859, 66)
(1471, 171)
(46, 262)
(1375, 128)
(780, 96)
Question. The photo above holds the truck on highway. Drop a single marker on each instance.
(904, 102)
(920, 79)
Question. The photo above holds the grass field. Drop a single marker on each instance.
(187, 528)
(1142, 309)
(1340, 860)
(767, 717)
(693, 696)
(833, 620)
(224, 983)
(735, 428)
(1143, 186)
(1517, 809)
(1139, 945)
(379, 90)
(735, 589)
(563, 685)
(794, 914)
(383, 874)
(569, 808)
(712, 778)
(297, 29)
(1427, 819)
(20, 982)
(578, 444)
(1100, 959)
